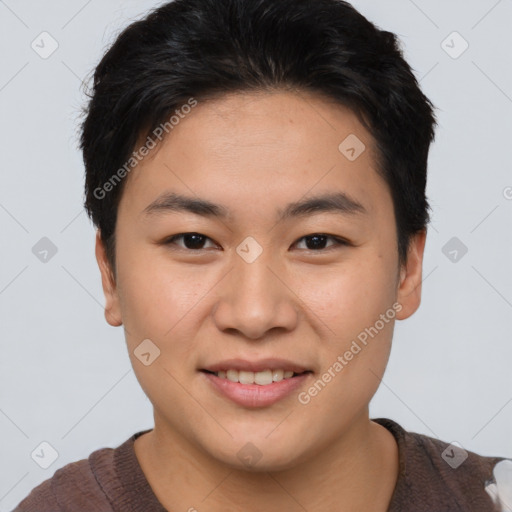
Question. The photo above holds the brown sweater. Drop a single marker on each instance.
(111, 480)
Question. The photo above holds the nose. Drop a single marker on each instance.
(254, 299)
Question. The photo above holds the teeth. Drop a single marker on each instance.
(262, 378)
(277, 375)
(232, 375)
(246, 377)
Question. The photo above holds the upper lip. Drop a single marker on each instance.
(256, 366)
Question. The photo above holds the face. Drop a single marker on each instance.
(290, 267)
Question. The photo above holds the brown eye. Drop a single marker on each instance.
(318, 241)
(191, 241)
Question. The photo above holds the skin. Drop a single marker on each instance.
(255, 153)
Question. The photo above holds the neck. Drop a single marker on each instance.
(358, 472)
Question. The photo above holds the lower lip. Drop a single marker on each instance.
(254, 395)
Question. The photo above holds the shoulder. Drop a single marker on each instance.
(441, 476)
(72, 487)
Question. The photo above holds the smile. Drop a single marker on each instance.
(263, 378)
(255, 389)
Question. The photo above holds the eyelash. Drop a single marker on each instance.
(338, 242)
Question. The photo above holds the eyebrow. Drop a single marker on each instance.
(338, 203)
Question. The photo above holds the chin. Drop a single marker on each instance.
(260, 454)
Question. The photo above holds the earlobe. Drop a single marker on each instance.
(411, 275)
(112, 306)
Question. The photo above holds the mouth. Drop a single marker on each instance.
(255, 384)
(261, 378)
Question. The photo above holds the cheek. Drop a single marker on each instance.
(161, 304)
(357, 342)
(352, 296)
(157, 299)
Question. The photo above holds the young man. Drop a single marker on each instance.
(256, 170)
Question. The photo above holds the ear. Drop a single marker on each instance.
(409, 288)
(112, 306)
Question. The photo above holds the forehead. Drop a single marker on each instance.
(260, 148)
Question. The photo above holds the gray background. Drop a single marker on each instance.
(65, 376)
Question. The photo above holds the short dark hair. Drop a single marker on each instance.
(206, 48)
